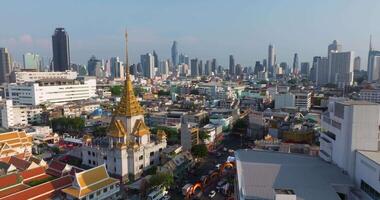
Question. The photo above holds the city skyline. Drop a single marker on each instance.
(253, 28)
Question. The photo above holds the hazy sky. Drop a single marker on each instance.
(203, 28)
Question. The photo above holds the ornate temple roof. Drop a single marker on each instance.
(117, 129)
(140, 128)
(128, 106)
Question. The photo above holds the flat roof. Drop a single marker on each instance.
(262, 173)
(357, 102)
(372, 155)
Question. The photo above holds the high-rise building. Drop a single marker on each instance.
(214, 65)
(174, 54)
(117, 68)
(284, 66)
(295, 64)
(208, 68)
(156, 62)
(305, 68)
(333, 47)
(232, 69)
(32, 61)
(194, 67)
(5, 65)
(220, 69)
(238, 69)
(94, 67)
(322, 70)
(147, 63)
(342, 68)
(164, 67)
(313, 70)
(61, 50)
(271, 60)
(200, 68)
(373, 67)
(357, 62)
(258, 67)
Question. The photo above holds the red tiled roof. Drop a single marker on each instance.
(53, 173)
(6, 159)
(8, 180)
(19, 163)
(12, 190)
(57, 165)
(40, 177)
(42, 191)
(31, 173)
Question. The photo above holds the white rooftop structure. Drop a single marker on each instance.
(271, 175)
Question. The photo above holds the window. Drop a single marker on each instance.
(141, 157)
(105, 157)
(151, 162)
(105, 190)
(98, 193)
(91, 196)
(93, 153)
(141, 166)
(151, 154)
(89, 162)
(369, 190)
(111, 187)
(93, 162)
(89, 153)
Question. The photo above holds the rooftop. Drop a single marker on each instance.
(372, 155)
(262, 173)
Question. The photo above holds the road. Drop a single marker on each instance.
(207, 165)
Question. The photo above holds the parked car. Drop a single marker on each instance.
(212, 194)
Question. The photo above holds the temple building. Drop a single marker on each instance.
(128, 148)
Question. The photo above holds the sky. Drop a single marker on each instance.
(203, 28)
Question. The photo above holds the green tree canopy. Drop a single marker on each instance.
(164, 179)
(116, 90)
(204, 135)
(70, 125)
(199, 150)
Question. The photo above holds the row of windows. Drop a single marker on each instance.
(369, 190)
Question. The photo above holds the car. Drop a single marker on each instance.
(166, 197)
(212, 194)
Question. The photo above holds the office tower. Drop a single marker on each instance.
(265, 65)
(94, 67)
(117, 68)
(295, 64)
(156, 62)
(200, 68)
(232, 69)
(139, 68)
(5, 65)
(284, 66)
(357, 62)
(220, 69)
(313, 70)
(271, 60)
(305, 68)
(208, 68)
(174, 54)
(164, 67)
(133, 69)
(322, 70)
(32, 61)
(194, 67)
(147, 63)
(373, 66)
(334, 47)
(342, 68)
(258, 67)
(238, 69)
(61, 50)
(214, 65)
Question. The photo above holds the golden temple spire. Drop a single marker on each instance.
(128, 106)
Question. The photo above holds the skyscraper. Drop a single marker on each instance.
(147, 63)
(61, 50)
(117, 68)
(32, 61)
(357, 62)
(194, 67)
(232, 69)
(94, 67)
(5, 65)
(164, 67)
(207, 68)
(174, 54)
(373, 67)
(156, 62)
(334, 47)
(295, 64)
(342, 68)
(305, 68)
(322, 70)
(271, 60)
(200, 68)
(214, 66)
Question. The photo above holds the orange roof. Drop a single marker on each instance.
(11, 190)
(9, 180)
(117, 128)
(90, 181)
(140, 128)
(42, 191)
(32, 173)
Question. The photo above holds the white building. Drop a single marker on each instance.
(302, 100)
(18, 115)
(128, 149)
(284, 100)
(351, 141)
(342, 68)
(371, 95)
(21, 77)
(52, 91)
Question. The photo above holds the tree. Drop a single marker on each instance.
(292, 81)
(64, 124)
(55, 149)
(165, 179)
(99, 131)
(199, 150)
(203, 135)
(240, 124)
(116, 90)
(163, 93)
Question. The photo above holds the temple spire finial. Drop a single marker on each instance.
(126, 53)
